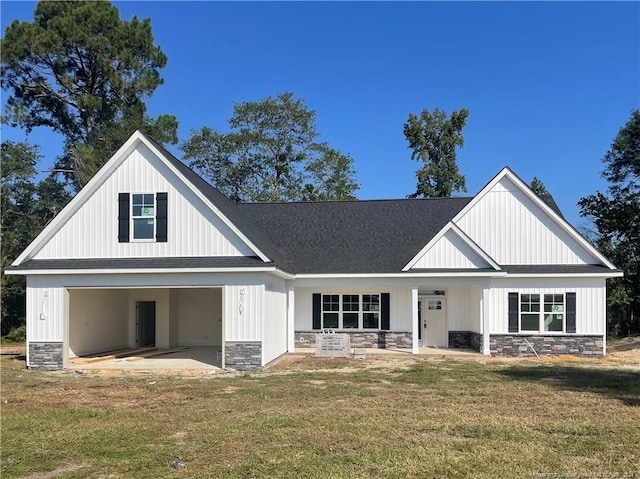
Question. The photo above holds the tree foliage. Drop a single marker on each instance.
(271, 153)
(538, 187)
(81, 71)
(616, 216)
(26, 208)
(433, 137)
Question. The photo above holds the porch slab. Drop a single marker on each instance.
(196, 358)
(422, 352)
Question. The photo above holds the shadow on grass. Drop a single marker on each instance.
(622, 385)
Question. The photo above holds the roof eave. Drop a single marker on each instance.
(78, 271)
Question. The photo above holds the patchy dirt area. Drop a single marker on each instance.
(12, 350)
(623, 352)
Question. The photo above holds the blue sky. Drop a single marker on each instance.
(548, 84)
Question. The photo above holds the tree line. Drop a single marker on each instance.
(81, 71)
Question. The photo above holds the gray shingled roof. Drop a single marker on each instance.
(556, 268)
(377, 236)
(141, 263)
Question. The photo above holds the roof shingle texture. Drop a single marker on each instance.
(358, 237)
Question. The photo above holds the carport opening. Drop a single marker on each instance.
(103, 321)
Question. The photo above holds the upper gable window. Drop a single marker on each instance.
(143, 207)
(142, 217)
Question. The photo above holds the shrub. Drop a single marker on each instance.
(17, 335)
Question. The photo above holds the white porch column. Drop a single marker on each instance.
(291, 307)
(485, 315)
(414, 320)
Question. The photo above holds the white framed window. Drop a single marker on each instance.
(350, 311)
(542, 312)
(143, 222)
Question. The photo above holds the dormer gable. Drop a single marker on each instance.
(451, 248)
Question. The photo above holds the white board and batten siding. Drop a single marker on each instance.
(193, 229)
(450, 251)
(463, 307)
(243, 309)
(274, 342)
(590, 300)
(46, 303)
(513, 229)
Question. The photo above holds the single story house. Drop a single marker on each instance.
(150, 254)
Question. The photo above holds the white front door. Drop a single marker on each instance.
(434, 322)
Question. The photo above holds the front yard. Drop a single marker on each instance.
(327, 419)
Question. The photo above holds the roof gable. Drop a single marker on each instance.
(451, 248)
(515, 226)
(140, 166)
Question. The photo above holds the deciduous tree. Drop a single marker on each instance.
(271, 153)
(26, 208)
(616, 215)
(433, 137)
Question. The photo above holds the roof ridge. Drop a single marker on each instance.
(369, 200)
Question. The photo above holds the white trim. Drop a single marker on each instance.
(441, 274)
(415, 346)
(506, 172)
(271, 269)
(450, 226)
(101, 176)
(285, 275)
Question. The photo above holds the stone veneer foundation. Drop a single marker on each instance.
(243, 355)
(516, 345)
(360, 339)
(46, 356)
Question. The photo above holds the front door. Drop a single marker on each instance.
(145, 324)
(433, 316)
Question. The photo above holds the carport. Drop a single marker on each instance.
(104, 320)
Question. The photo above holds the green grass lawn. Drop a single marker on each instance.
(326, 419)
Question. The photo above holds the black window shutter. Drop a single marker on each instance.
(161, 217)
(123, 217)
(571, 313)
(317, 311)
(513, 312)
(384, 311)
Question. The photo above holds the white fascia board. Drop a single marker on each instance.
(443, 274)
(206, 201)
(450, 226)
(506, 172)
(271, 269)
(78, 200)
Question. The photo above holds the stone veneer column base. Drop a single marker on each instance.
(547, 345)
(46, 356)
(243, 355)
(361, 339)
